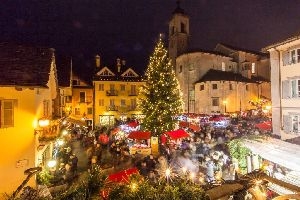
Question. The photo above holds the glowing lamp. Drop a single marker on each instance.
(168, 172)
(43, 122)
(64, 132)
(133, 186)
(60, 142)
(51, 163)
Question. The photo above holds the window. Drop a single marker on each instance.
(7, 113)
(101, 102)
(112, 102)
(295, 88)
(123, 102)
(81, 97)
(182, 27)
(180, 68)
(293, 56)
(201, 87)
(122, 87)
(77, 111)
(101, 87)
(133, 89)
(112, 87)
(295, 123)
(230, 86)
(68, 99)
(89, 111)
(215, 101)
(247, 87)
(223, 67)
(214, 86)
(253, 68)
(133, 103)
(172, 30)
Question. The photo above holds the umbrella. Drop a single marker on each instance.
(267, 125)
(122, 176)
(133, 124)
(176, 134)
(139, 135)
(183, 124)
(194, 127)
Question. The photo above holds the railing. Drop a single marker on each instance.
(112, 108)
(88, 99)
(111, 93)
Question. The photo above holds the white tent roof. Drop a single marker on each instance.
(277, 151)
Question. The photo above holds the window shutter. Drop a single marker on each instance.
(285, 58)
(286, 93)
(287, 123)
(7, 113)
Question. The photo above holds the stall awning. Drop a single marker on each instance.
(277, 151)
(122, 176)
(177, 134)
(76, 121)
(139, 135)
(267, 125)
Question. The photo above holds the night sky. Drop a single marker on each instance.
(129, 28)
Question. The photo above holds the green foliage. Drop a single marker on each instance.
(238, 151)
(161, 96)
(145, 190)
(44, 177)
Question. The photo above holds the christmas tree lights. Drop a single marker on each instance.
(161, 97)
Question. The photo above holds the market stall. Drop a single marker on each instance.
(141, 142)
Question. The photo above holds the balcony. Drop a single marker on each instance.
(112, 108)
(111, 93)
(87, 99)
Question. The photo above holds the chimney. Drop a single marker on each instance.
(97, 59)
(119, 64)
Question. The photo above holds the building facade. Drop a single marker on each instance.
(285, 88)
(116, 91)
(28, 92)
(192, 65)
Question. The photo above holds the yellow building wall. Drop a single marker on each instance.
(83, 106)
(121, 112)
(18, 143)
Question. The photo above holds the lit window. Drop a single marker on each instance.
(295, 88)
(7, 113)
(223, 67)
(253, 68)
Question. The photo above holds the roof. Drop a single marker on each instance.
(112, 74)
(242, 49)
(24, 65)
(178, 9)
(293, 37)
(218, 75)
(204, 51)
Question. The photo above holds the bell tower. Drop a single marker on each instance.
(179, 31)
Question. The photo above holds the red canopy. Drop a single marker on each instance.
(267, 125)
(176, 134)
(122, 176)
(139, 135)
(183, 124)
(133, 124)
(194, 127)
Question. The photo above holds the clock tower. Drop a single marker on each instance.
(178, 33)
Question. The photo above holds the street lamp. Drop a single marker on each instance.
(225, 103)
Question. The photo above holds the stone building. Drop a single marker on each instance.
(192, 65)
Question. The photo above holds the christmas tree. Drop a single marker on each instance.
(161, 100)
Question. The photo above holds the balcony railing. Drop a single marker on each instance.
(112, 108)
(111, 93)
(88, 99)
